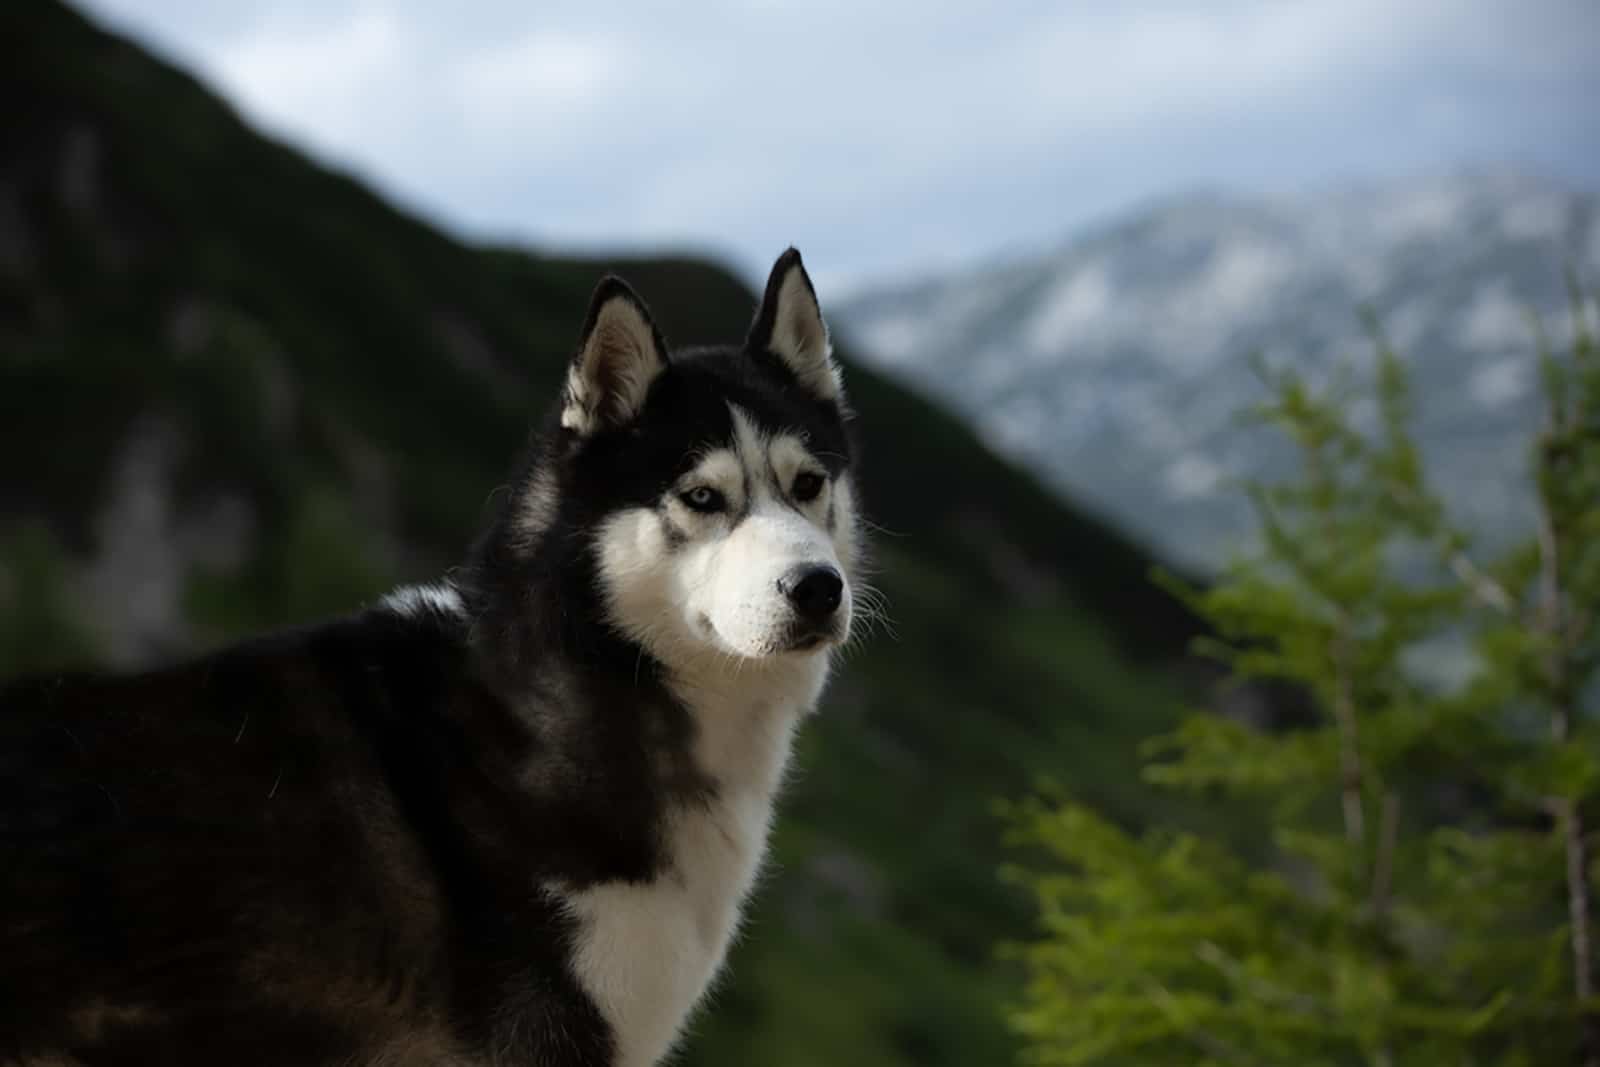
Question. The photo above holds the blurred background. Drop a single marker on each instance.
(282, 284)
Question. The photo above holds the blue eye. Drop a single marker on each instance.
(704, 498)
(806, 486)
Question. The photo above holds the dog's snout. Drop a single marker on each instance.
(814, 589)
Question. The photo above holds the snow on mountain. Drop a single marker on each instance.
(1115, 364)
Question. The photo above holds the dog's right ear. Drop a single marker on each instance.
(620, 355)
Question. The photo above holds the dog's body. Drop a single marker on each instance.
(510, 819)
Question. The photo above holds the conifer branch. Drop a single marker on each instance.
(1480, 585)
(1210, 952)
(1205, 1041)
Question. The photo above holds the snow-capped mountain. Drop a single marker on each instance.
(1115, 365)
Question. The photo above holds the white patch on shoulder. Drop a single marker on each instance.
(648, 952)
(413, 600)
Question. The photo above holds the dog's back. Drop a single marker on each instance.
(292, 851)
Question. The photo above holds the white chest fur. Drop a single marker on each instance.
(646, 952)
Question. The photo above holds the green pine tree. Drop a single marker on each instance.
(1416, 881)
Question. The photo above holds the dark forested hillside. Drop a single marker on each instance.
(238, 390)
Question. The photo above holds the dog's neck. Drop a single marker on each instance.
(745, 713)
(683, 920)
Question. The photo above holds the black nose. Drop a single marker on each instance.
(814, 589)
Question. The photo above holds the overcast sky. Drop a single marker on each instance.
(884, 137)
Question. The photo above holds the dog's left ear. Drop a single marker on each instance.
(789, 325)
(620, 355)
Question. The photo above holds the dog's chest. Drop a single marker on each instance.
(646, 952)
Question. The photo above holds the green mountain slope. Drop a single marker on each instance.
(238, 390)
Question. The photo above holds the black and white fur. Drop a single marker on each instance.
(507, 819)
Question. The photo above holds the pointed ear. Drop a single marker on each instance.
(620, 355)
(789, 325)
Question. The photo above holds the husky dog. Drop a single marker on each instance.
(507, 819)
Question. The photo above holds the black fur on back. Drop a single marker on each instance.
(328, 845)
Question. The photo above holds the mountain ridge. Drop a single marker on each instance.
(1114, 364)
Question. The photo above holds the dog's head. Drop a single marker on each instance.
(713, 485)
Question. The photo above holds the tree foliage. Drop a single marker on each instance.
(1416, 883)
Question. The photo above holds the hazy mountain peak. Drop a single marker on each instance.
(1112, 364)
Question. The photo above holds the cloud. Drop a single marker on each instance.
(559, 69)
(320, 80)
(887, 136)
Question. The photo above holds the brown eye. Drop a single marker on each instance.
(806, 486)
(704, 498)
